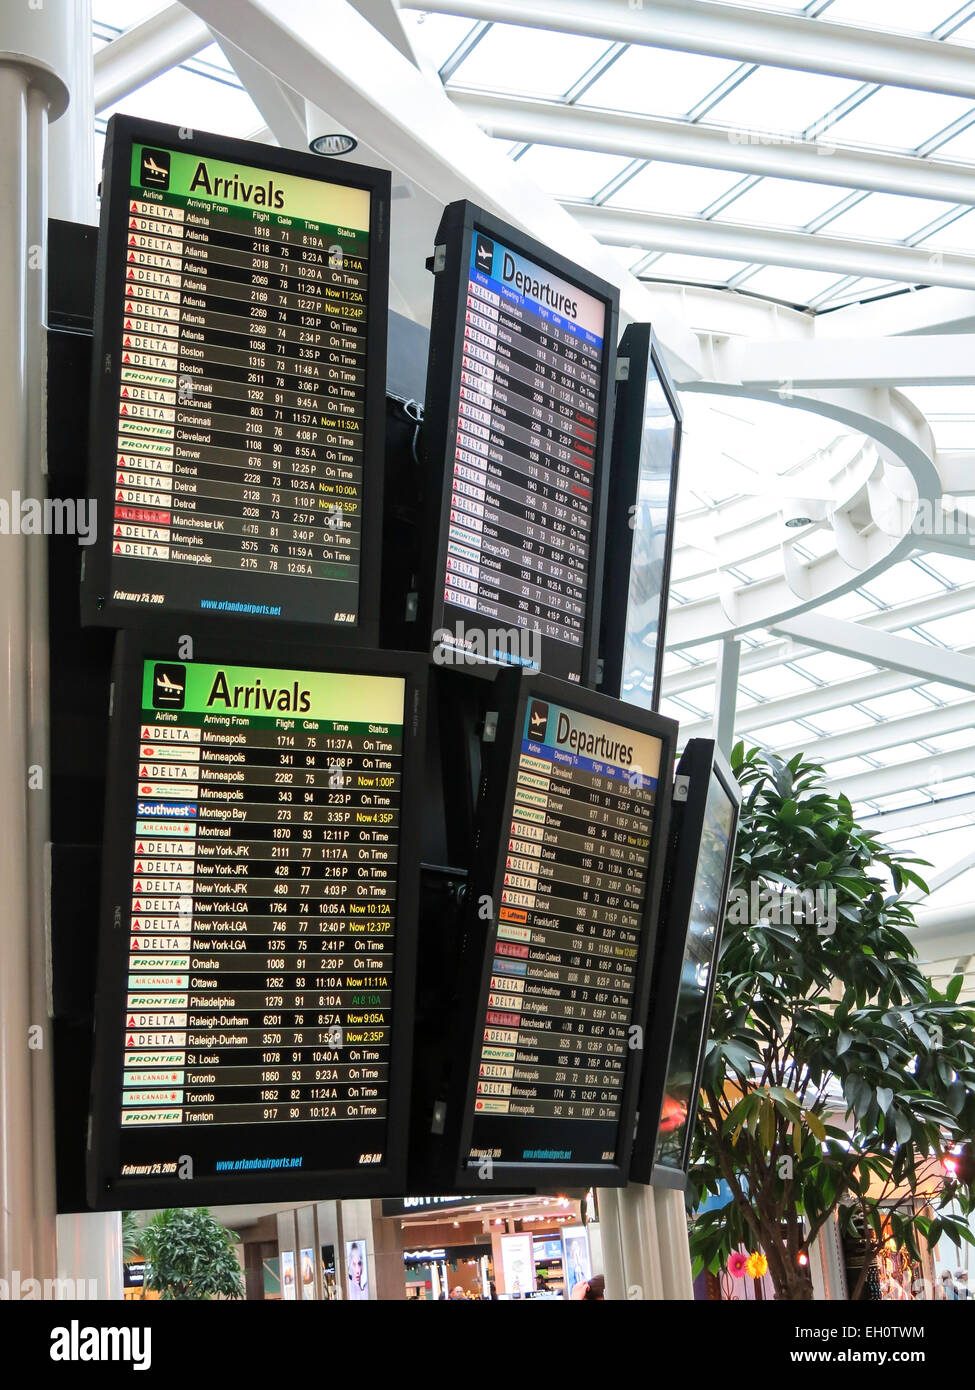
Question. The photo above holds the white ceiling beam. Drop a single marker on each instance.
(331, 54)
(881, 649)
(282, 108)
(937, 310)
(745, 35)
(808, 703)
(924, 610)
(145, 51)
(925, 772)
(874, 738)
(712, 147)
(924, 813)
(956, 469)
(696, 236)
(931, 359)
(942, 876)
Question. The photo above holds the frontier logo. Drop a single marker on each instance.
(77, 1343)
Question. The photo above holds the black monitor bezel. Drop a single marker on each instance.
(641, 349)
(453, 244)
(494, 814)
(701, 762)
(98, 607)
(131, 650)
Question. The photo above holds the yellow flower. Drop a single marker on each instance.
(757, 1265)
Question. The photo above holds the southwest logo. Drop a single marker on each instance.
(155, 168)
(168, 686)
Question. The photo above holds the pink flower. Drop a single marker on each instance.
(737, 1264)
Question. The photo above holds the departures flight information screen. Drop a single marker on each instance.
(233, 434)
(554, 1047)
(251, 1019)
(524, 477)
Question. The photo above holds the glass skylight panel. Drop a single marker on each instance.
(897, 705)
(692, 270)
(436, 36)
(776, 681)
(536, 62)
(202, 102)
(782, 203)
(786, 283)
(886, 217)
(948, 743)
(673, 188)
(899, 753)
(958, 786)
(782, 735)
(907, 16)
(898, 118)
(903, 583)
(943, 693)
(956, 569)
(955, 631)
(952, 894)
(851, 293)
(852, 605)
(657, 82)
(846, 767)
(703, 587)
(831, 666)
(781, 99)
(570, 173)
(671, 710)
(818, 541)
(962, 146)
(895, 801)
(840, 721)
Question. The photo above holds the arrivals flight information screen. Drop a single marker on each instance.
(568, 947)
(233, 419)
(246, 1015)
(525, 462)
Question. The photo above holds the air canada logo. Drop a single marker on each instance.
(484, 254)
(155, 168)
(168, 686)
(537, 720)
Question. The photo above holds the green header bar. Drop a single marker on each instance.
(189, 179)
(263, 695)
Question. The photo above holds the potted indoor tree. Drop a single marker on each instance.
(190, 1256)
(836, 1075)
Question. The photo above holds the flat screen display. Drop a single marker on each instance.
(554, 1062)
(703, 935)
(525, 464)
(233, 415)
(252, 936)
(646, 600)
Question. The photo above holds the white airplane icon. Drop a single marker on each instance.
(166, 684)
(152, 167)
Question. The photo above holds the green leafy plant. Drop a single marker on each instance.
(836, 1074)
(131, 1235)
(190, 1256)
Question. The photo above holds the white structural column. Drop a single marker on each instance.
(675, 1253)
(72, 179)
(32, 90)
(90, 1255)
(746, 35)
(726, 694)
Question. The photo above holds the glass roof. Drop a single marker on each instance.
(740, 457)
